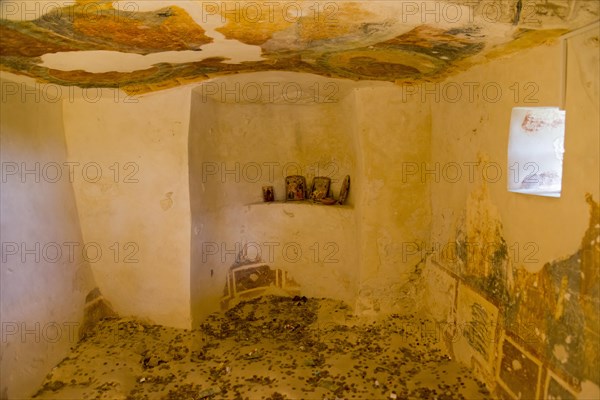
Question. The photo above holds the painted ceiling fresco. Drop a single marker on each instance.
(142, 46)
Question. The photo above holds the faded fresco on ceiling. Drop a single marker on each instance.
(142, 47)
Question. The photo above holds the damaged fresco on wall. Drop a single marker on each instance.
(476, 318)
(518, 372)
(249, 278)
(481, 251)
(547, 326)
(140, 48)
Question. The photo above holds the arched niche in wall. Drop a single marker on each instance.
(247, 131)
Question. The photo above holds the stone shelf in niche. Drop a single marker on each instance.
(300, 202)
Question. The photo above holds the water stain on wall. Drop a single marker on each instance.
(167, 201)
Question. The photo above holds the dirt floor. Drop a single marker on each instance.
(266, 348)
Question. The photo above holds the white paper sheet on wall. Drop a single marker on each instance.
(535, 150)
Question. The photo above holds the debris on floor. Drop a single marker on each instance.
(267, 348)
